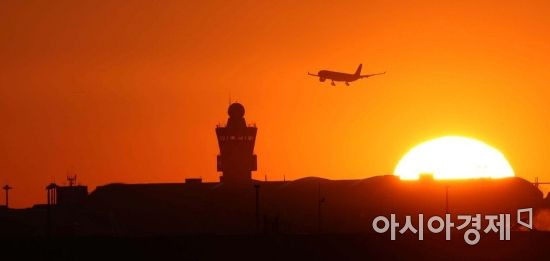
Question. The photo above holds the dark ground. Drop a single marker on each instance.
(523, 246)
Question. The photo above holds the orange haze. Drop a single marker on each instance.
(130, 91)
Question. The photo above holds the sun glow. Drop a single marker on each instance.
(453, 157)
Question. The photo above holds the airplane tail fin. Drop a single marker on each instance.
(358, 71)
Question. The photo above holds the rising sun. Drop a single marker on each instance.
(453, 157)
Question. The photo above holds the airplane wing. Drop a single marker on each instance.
(370, 75)
(311, 74)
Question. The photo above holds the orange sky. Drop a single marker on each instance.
(130, 91)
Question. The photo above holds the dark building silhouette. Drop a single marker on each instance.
(214, 220)
(71, 195)
(240, 205)
(193, 181)
(236, 141)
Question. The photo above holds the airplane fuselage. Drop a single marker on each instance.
(342, 77)
(337, 76)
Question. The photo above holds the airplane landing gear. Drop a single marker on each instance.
(332, 83)
(347, 83)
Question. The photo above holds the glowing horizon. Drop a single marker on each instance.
(453, 157)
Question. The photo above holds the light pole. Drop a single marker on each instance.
(52, 199)
(320, 201)
(7, 189)
(446, 199)
(257, 188)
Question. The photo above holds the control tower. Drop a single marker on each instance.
(236, 140)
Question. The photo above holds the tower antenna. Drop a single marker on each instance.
(71, 180)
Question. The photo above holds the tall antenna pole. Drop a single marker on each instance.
(72, 180)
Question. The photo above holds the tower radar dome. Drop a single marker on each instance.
(236, 110)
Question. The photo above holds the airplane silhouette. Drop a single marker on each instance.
(342, 77)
